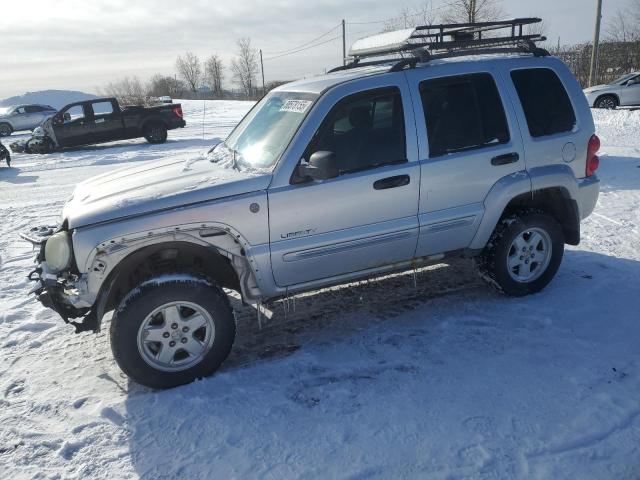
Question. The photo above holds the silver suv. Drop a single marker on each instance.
(623, 92)
(357, 173)
(23, 117)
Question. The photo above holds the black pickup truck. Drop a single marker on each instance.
(101, 120)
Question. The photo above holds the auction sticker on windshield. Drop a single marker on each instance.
(296, 106)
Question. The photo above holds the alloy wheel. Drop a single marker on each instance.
(176, 336)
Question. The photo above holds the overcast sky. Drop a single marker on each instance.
(81, 45)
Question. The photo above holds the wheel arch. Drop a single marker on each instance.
(164, 257)
(153, 120)
(551, 189)
(556, 202)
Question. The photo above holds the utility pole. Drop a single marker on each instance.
(472, 11)
(262, 70)
(596, 45)
(344, 43)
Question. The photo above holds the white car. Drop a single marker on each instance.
(23, 117)
(623, 92)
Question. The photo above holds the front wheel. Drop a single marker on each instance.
(155, 133)
(523, 254)
(608, 102)
(5, 130)
(172, 330)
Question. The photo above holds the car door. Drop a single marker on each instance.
(35, 115)
(630, 92)
(364, 218)
(468, 140)
(71, 125)
(106, 121)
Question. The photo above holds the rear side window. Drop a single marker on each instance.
(463, 112)
(33, 109)
(102, 108)
(544, 100)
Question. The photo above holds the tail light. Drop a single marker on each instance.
(177, 111)
(593, 162)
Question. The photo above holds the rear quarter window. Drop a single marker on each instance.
(544, 100)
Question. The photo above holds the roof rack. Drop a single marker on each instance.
(427, 42)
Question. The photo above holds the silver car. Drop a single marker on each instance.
(23, 117)
(360, 172)
(623, 92)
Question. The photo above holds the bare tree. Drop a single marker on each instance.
(245, 67)
(214, 73)
(128, 91)
(189, 69)
(423, 14)
(624, 26)
(462, 11)
(161, 85)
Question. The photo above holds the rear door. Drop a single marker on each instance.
(35, 115)
(72, 127)
(468, 140)
(106, 121)
(367, 216)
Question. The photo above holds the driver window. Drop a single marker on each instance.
(364, 131)
(74, 113)
(634, 81)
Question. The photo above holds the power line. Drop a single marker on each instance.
(303, 49)
(399, 17)
(306, 43)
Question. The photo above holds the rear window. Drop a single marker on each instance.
(102, 108)
(463, 112)
(544, 100)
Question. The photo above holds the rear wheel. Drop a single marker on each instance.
(608, 102)
(155, 133)
(5, 130)
(523, 254)
(172, 330)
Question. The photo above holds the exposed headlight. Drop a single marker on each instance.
(58, 251)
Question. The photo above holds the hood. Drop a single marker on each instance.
(595, 88)
(157, 186)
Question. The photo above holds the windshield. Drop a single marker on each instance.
(261, 137)
(623, 78)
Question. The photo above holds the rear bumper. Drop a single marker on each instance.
(588, 192)
(177, 123)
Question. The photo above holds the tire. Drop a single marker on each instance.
(149, 312)
(155, 132)
(608, 102)
(529, 271)
(5, 130)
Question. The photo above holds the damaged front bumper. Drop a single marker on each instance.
(57, 291)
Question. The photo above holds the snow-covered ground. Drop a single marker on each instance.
(444, 379)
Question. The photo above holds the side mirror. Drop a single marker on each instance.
(322, 166)
(57, 119)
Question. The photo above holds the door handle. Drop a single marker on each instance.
(512, 157)
(391, 182)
